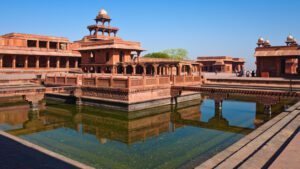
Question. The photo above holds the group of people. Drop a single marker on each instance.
(247, 73)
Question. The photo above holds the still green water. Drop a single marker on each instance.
(163, 137)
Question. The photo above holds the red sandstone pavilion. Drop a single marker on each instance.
(100, 69)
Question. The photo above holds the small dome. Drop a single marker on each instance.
(103, 12)
(267, 43)
(290, 38)
(261, 40)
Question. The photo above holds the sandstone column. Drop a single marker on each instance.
(76, 63)
(48, 62)
(1, 61)
(155, 69)
(133, 69)
(67, 62)
(26, 62)
(124, 70)
(14, 61)
(57, 62)
(144, 70)
(37, 62)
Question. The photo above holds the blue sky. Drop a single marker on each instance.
(203, 27)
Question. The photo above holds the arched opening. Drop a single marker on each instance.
(129, 69)
(92, 69)
(31, 61)
(20, 60)
(52, 62)
(85, 69)
(186, 69)
(150, 70)
(139, 70)
(98, 69)
(7, 61)
(43, 62)
(107, 70)
(120, 69)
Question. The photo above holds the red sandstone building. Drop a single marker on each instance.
(103, 52)
(99, 52)
(278, 61)
(35, 53)
(224, 64)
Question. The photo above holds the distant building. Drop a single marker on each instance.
(278, 61)
(36, 53)
(224, 64)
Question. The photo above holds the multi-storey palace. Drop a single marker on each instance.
(99, 52)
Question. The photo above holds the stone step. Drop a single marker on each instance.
(222, 156)
(243, 154)
(261, 158)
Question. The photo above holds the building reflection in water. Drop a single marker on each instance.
(133, 127)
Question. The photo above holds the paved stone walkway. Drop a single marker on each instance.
(14, 155)
(290, 157)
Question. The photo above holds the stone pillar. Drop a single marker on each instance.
(113, 70)
(48, 45)
(48, 62)
(26, 62)
(1, 61)
(124, 70)
(14, 61)
(167, 70)
(133, 69)
(179, 69)
(37, 62)
(57, 62)
(76, 63)
(171, 68)
(155, 70)
(144, 70)
(67, 62)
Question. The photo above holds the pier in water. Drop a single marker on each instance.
(181, 136)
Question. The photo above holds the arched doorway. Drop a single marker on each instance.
(150, 70)
(129, 69)
(139, 69)
(120, 69)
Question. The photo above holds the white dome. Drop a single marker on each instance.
(290, 38)
(103, 12)
(261, 40)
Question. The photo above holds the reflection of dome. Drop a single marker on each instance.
(103, 12)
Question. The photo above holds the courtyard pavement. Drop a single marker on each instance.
(289, 158)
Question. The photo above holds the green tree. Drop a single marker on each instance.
(178, 53)
(157, 55)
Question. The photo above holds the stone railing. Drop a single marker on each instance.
(182, 80)
(120, 81)
(63, 80)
